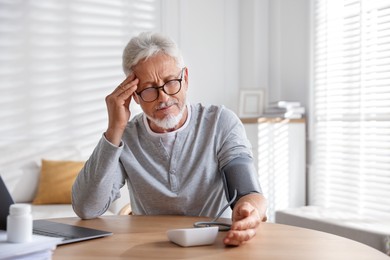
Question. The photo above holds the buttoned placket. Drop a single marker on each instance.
(171, 165)
(174, 161)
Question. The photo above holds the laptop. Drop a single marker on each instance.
(69, 233)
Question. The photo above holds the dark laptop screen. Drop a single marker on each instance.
(5, 201)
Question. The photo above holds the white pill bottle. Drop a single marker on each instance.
(19, 223)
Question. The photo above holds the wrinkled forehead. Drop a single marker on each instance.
(160, 64)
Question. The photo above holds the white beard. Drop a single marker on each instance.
(170, 121)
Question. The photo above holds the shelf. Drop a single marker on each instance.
(256, 120)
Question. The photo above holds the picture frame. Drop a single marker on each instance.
(251, 103)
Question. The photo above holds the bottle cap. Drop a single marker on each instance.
(20, 209)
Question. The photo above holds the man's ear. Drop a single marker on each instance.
(186, 76)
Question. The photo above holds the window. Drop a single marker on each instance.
(58, 61)
(351, 123)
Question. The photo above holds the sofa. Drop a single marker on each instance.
(43, 178)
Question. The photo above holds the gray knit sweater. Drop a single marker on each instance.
(185, 182)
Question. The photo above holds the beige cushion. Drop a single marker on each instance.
(56, 180)
(20, 165)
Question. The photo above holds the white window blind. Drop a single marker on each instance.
(351, 164)
(58, 61)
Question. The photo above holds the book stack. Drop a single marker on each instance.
(285, 109)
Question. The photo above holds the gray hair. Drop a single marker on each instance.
(146, 45)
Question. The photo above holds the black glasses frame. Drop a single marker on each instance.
(162, 88)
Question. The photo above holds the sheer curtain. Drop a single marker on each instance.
(351, 140)
(58, 61)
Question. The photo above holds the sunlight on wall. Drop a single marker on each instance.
(58, 62)
(273, 165)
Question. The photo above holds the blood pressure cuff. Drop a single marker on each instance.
(240, 175)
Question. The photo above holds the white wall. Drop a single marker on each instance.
(207, 33)
(228, 45)
(289, 50)
(231, 45)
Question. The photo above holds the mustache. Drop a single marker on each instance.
(166, 104)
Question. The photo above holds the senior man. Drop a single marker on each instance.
(177, 158)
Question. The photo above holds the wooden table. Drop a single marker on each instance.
(144, 237)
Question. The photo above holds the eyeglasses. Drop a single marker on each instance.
(171, 87)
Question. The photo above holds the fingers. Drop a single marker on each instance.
(122, 94)
(242, 230)
(251, 221)
(246, 219)
(127, 87)
(237, 237)
(118, 103)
